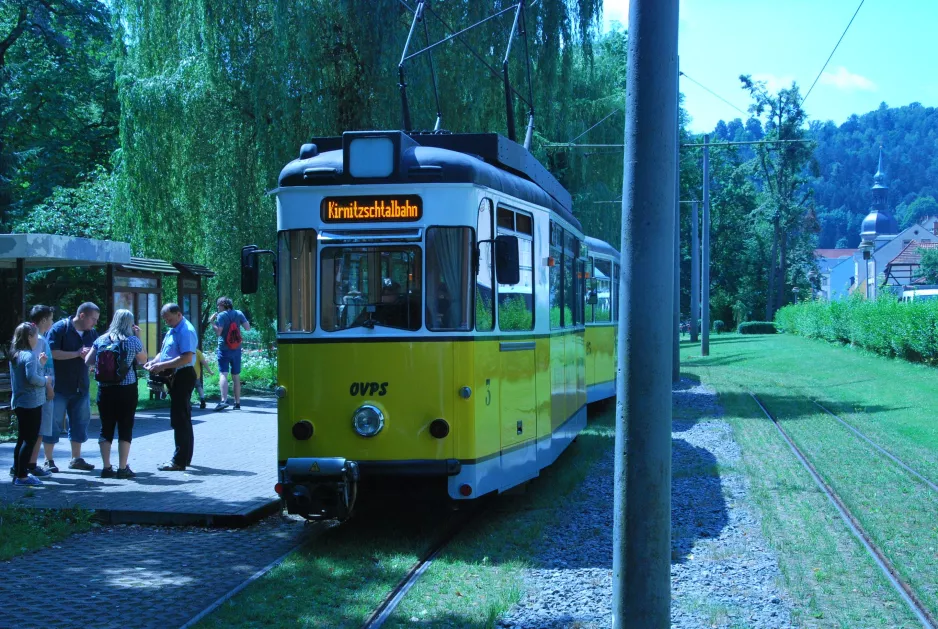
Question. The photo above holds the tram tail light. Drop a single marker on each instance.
(278, 488)
(465, 490)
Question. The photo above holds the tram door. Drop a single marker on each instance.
(517, 399)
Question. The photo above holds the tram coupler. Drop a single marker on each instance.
(320, 488)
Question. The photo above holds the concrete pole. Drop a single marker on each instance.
(705, 275)
(694, 273)
(676, 355)
(642, 509)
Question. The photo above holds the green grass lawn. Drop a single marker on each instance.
(825, 569)
(340, 577)
(23, 529)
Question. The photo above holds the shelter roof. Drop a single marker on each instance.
(49, 250)
(194, 269)
(148, 265)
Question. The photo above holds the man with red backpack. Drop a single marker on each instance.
(227, 323)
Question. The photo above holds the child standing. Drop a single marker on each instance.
(201, 366)
(29, 393)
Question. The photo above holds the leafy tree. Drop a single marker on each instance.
(785, 199)
(216, 98)
(920, 208)
(83, 211)
(929, 265)
(58, 105)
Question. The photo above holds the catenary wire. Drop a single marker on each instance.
(832, 53)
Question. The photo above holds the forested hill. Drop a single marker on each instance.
(847, 158)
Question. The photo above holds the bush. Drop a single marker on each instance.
(718, 326)
(756, 327)
(885, 326)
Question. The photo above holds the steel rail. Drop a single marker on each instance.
(305, 537)
(387, 607)
(905, 591)
(881, 449)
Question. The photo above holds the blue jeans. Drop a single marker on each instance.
(229, 357)
(77, 406)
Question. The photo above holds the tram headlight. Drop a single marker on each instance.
(280, 392)
(368, 420)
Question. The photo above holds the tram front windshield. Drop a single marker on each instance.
(369, 286)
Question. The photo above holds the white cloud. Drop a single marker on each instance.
(773, 82)
(843, 79)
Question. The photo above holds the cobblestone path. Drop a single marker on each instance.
(130, 577)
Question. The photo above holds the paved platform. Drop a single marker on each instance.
(137, 576)
(230, 483)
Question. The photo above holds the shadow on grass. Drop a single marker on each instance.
(715, 361)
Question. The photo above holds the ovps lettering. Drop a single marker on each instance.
(368, 388)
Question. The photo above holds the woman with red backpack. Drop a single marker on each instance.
(227, 323)
(114, 356)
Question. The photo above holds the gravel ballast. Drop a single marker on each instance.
(723, 573)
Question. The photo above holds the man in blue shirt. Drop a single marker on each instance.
(71, 339)
(178, 356)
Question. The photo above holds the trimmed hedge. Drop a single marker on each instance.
(756, 327)
(885, 326)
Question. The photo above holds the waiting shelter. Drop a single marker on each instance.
(190, 293)
(132, 283)
(42, 251)
(137, 286)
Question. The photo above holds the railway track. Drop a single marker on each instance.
(879, 448)
(381, 613)
(907, 594)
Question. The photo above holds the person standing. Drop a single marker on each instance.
(29, 393)
(201, 368)
(227, 323)
(71, 340)
(41, 317)
(114, 355)
(178, 355)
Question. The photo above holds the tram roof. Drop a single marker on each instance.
(486, 159)
(595, 245)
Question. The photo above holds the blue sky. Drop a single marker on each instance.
(889, 54)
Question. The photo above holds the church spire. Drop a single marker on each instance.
(878, 222)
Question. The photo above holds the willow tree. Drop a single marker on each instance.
(216, 96)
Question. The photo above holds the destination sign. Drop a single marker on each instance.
(371, 209)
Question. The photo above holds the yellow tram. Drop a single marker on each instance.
(441, 317)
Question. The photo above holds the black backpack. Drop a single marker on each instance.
(110, 363)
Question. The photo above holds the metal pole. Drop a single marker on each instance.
(676, 354)
(694, 273)
(705, 271)
(642, 525)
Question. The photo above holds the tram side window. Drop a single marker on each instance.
(556, 276)
(448, 272)
(485, 283)
(602, 282)
(590, 290)
(614, 291)
(569, 280)
(297, 280)
(516, 302)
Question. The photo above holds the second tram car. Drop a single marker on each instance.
(441, 317)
